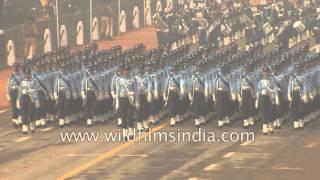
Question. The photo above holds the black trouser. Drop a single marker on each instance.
(90, 107)
(174, 104)
(247, 105)
(223, 104)
(63, 105)
(13, 98)
(144, 112)
(51, 106)
(41, 111)
(126, 112)
(266, 109)
(108, 105)
(199, 107)
(297, 109)
(27, 109)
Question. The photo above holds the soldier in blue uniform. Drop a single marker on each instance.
(13, 89)
(296, 92)
(144, 86)
(172, 96)
(222, 96)
(247, 95)
(38, 77)
(126, 100)
(266, 100)
(62, 94)
(197, 95)
(89, 93)
(27, 102)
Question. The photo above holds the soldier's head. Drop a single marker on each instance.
(90, 68)
(248, 67)
(266, 71)
(124, 69)
(147, 68)
(27, 73)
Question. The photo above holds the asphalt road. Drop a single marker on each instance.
(287, 154)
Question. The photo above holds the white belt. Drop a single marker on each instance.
(264, 92)
(173, 88)
(220, 89)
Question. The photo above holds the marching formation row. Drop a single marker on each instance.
(138, 85)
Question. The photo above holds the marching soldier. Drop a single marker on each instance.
(173, 97)
(89, 93)
(297, 97)
(13, 90)
(222, 96)
(28, 101)
(197, 96)
(62, 94)
(266, 100)
(247, 95)
(157, 80)
(41, 111)
(126, 101)
(144, 85)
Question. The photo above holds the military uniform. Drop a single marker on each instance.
(222, 97)
(266, 99)
(63, 96)
(126, 96)
(13, 91)
(197, 97)
(28, 101)
(90, 93)
(247, 98)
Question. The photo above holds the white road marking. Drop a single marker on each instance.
(7, 133)
(47, 129)
(94, 155)
(229, 154)
(246, 143)
(287, 168)
(82, 155)
(211, 167)
(132, 155)
(22, 139)
(3, 111)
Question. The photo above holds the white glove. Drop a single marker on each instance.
(305, 99)
(239, 98)
(55, 96)
(137, 106)
(277, 100)
(233, 97)
(117, 104)
(18, 105)
(37, 104)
